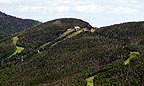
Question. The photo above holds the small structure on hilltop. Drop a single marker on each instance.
(76, 28)
(92, 29)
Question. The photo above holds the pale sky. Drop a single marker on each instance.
(96, 12)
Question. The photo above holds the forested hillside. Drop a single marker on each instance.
(11, 25)
(57, 54)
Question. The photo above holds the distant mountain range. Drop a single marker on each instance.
(10, 24)
(55, 53)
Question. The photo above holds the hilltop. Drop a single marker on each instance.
(37, 36)
(10, 24)
(57, 54)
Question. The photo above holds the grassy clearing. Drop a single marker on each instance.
(44, 45)
(132, 56)
(74, 34)
(66, 33)
(90, 81)
(69, 36)
(15, 39)
(60, 37)
(18, 49)
(93, 30)
(54, 44)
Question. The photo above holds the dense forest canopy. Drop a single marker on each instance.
(56, 54)
(10, 24)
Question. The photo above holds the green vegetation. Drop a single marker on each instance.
(134, 47)
(132, 56)
(18, 49)
(90, 81)
(6, 49)
(74, 34)
(69, 35)
(15, 39)
(69, 31)
(10, 25)
(80, 58)
(58, 39)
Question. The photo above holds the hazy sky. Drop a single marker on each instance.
(96, 12)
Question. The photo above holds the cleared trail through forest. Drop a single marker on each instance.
(70, 33)
(18, 49)
(132, 56)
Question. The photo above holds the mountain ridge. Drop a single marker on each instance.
(10, 24)
(80, 56)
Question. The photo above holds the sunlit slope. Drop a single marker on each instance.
(79, 58)
(132, 56)
(18, 49)
(37, 37)
(49, 31)
(67, 63)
